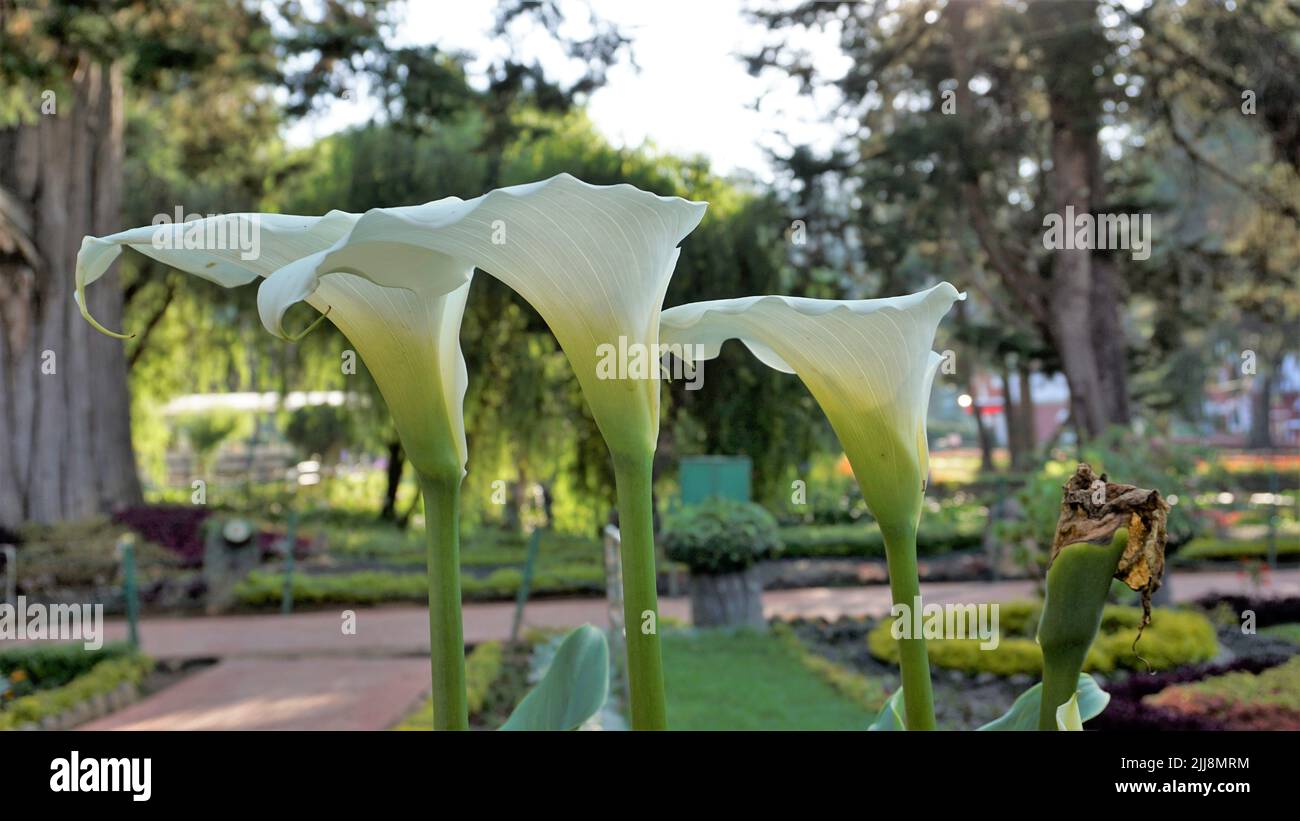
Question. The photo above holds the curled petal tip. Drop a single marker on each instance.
(94, 323)
(303, 333)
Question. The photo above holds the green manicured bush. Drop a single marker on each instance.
(264, 589)
(863, 540)
(1208, 549)
(1174, 638)
(104, 677)
(720, 536)
(54, 665)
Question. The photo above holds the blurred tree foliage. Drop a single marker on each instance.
(965, 123)
(438, 136)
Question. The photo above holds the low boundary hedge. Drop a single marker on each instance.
(1174, 638)
(102, 679)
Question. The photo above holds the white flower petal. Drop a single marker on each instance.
(408, 338)
(594, 261)
(867, 362)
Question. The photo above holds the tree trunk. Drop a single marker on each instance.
(1107, 304)
(981, 429)
(65, 427)
(1011, 416)
(1028, 424)
(1084, 299)
(1261, 400)
(1072, 292)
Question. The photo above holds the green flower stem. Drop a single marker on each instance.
(633, 475)
(446, 636)
(1077, 584)
(904, 587)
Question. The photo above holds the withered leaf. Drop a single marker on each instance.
(1092, 509)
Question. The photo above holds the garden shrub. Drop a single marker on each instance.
(261, 588)
(103, 678)
(178, 528)
(81, 554)
(1174, 638)
(863, 540)
(53, 665)
(1144, 461)
(720, 536)
(1207, 549)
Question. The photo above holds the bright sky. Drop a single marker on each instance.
(691, 94)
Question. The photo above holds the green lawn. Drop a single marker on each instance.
(724, 680)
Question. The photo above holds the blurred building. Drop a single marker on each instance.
(1232, 400)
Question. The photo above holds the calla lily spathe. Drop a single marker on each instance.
(867, 362)
(869, 365)
(594, 261)
(408, 336)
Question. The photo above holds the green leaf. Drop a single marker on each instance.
(574, 688)
(891, 715)
(1089, 700)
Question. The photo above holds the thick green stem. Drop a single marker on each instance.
(633, 476)
(446, 636)
(905, 588)
(1077, 584)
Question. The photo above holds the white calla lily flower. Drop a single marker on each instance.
(867, 362)
(594, 261)
(401, 307)
(405, 327)
(869, 365)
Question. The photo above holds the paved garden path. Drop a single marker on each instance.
(334, 693)
(302, 671)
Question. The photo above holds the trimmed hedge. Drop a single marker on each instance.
(1174, 638)
(54, 665)
(1223, 549)
(103, 678)
(264, 589)
(864, 541)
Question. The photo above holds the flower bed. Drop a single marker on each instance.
(1128, 709)
(1241, 700)
(61, 686)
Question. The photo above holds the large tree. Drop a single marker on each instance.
(65, 432)
(976, 120)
